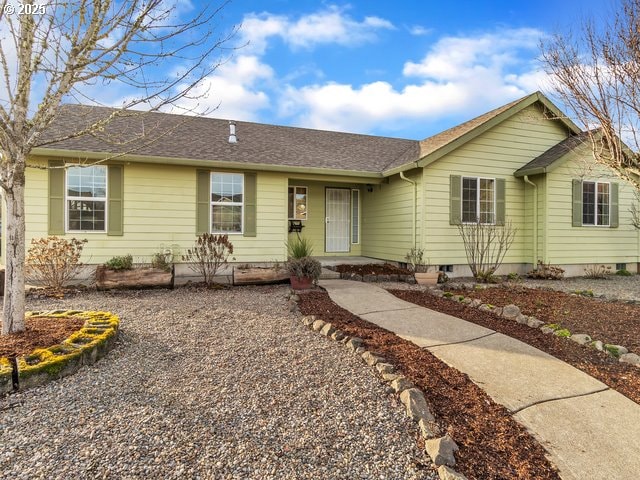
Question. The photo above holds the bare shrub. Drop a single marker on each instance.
(597, 271)
(546, 271)
(209, 253)
(54, 261)
(486, 246)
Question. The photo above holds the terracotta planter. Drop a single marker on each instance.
(300, 283)
(428, 278)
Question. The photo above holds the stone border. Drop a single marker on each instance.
(441, 449)
(513, 313)
(84, 347)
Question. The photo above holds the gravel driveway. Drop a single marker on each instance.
(209, 384)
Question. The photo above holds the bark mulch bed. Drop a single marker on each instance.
(612, 322)
(373, 269)
(492, 444)
(40, 332)
(622, 377)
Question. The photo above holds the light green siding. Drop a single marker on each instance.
(587, 244)
(314, 225)
(160, 212)
(387, 217)
(497, 153)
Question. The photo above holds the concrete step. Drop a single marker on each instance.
(327, 274)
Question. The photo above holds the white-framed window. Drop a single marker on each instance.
(297, 203)
(478, 200)
(227, 202)
(86, 199)
(596, 203)
(355, 216)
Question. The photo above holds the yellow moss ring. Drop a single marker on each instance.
(84, 347)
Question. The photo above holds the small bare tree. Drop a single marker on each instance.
(486, 245)
(596, 74)
(209, 253)
(55, 51)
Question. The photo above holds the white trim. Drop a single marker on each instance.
(595, 204)
(495, 190)
(229, 204)
(86, 199)
(306, 196)
(358, 219)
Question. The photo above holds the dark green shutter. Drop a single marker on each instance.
(577, 203)
(500, 201)
(455, 199)
(250, 201)
(613, 215)
(56, 197)
(115, 199)
(203, 202)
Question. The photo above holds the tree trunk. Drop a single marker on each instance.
(13, 311)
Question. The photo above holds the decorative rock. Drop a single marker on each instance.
(511, 312)
(345, 339)
(384, 367)
(294, 297)
(447, 473)
(533, 322)
(546, 330)
(390, 377)
(631, 358)
(598, 345)
(317, 325)
(615, 350)
(337, 335)
(360, 350)
(441, 450)
(371, 359)
(486, 308)
(401, 383)
(308, 320)
(522, 319)
(293, 306)
(354, 343)
(428, 429)
(580, 338)
(475, 303)
(498, 311)
(327, 330)
(466, 301)
(417, 407)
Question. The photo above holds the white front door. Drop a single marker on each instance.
(337, 220)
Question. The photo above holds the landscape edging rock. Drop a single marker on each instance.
(84, 347)
(428, 428)
(508, 313)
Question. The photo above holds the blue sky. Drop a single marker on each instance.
(404, 69)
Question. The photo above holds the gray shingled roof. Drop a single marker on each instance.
(541, 163)
(202, 138)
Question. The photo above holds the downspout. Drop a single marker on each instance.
(535, 220)
(415, 189)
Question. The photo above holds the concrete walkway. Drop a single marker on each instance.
(589, 430)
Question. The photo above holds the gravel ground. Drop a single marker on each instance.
(209, 384)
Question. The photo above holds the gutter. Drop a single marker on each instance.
(415, 191)
(535, 220)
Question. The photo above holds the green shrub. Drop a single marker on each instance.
(124, 262)
(300, 247)
(160, 260)
(624, 273)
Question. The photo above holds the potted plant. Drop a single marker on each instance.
(303, 270)
(420, 267)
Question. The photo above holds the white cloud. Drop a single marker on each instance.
(419, 30)
(329, 26)
(458, 75)
(236, 90)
